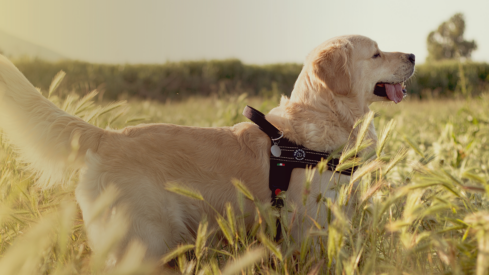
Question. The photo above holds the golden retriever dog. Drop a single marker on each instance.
(333, 91)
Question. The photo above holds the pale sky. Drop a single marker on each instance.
(255, 31)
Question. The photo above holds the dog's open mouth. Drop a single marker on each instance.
(395, 92)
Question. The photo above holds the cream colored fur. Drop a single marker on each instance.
(332, 92)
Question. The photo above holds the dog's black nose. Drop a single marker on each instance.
(411, 58)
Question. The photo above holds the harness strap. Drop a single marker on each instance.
(260, 120)
(291, 155)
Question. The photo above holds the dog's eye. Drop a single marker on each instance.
(376, 55)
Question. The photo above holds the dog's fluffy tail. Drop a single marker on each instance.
(51, 141)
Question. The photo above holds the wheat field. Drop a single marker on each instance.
(423, 208)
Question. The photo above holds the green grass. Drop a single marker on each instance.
(423, 209)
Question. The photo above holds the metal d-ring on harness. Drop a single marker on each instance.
(285, 156)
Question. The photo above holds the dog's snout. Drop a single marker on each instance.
(411, 58)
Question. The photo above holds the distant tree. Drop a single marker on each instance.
(448, 42)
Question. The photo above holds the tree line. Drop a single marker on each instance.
(180, 80)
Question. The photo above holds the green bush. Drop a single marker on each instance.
(443, 78)
(179, 80)
(170, 80)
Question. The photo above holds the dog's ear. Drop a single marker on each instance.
(332, 68)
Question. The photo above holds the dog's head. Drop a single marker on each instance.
(339, 80)
(355, 67)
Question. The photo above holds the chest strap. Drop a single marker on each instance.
(291, 156)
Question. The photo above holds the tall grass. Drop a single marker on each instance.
(421, 208)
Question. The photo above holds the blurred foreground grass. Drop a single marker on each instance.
(427, 213)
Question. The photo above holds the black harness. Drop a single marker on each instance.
(287, 155)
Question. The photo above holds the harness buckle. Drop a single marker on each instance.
(278, 202)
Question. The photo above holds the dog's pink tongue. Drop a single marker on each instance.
(394, 92)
